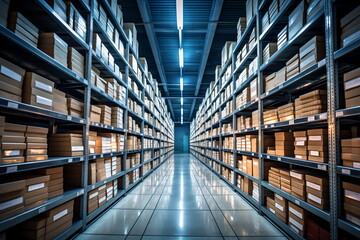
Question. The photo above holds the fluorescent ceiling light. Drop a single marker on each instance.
(182, 101)
(181, 84)
(181, 57)
(182, 112)
(182, 120)
(179, 14)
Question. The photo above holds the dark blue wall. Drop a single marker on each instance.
(182, 138)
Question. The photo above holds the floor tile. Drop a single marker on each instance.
(186, 202)
(183, 223)
(250, 223)
(115, 221)
(221, 191)
(99, 237)
(231, 202)
(133, 202)
(223, 224)
(179, 238)
(211, 203)
(141, 223)
(144, 190)
(263, 238)
(185, 190)
(153, 202)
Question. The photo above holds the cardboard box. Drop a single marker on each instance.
(296, 19)
(54, 46)
(312, 52)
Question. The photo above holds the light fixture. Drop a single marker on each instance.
(181, 84)
(181, 57)
(179, 14)
(182, 120)
(182, 112)
(182, 101)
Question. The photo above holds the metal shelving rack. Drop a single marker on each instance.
(17, 50)
(325, 73)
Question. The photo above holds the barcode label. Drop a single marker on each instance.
(339, 114)
(291, 122)
(346, 171)
(297, 202)
(321, 167)
(70, 161)
(312, 118)
(42, 209)
(13, 105)
(69, 118)
(11, 169)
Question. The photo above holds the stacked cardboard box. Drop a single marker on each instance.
(297, 219)
(296, 19)
(4, 10)
(121, 142)
(251, 6)
(352, 88)
(351, 202)
(247, 186)
(311, 103)
(281, 208)
(93, 201)
(75, 108)
(282, 38)
(298, 185)
(270, 204)
(265, 21)
(301, 145)
(108, 170)
(274, 177)
(103, 143)
(22, 27)
(12, 142)
(100, 170)
(131, 31)
(12, 198)
(286, 112)
(76, 62)
(270, 116)
(312, 52)
(350, 152)
(293, 66)
(76, 21)
(255, 118)
(95, 113)
(273, 9)
(59, 7)
(38, 91)
(49, 224)
(59, 102)
(56, 181)
(102, 195)
(36, 190)
(284, 144)
(11, 80)
(54, 46)
(318, 145)
(252, 42)
(269, 50)
(66, 145)
(313, 7)
(97, 44)
(253, 89)
(269, 144)
(243, 122)
(105, 116)
(36, 143)
(243, 98)
(350, 27)
(241, 26)
(275, 79)
(317, 191)
(285, 183)
(226, 51)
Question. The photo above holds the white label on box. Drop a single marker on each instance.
(315, 138)
(295, 175)
(36, 187)
(313, 185)
(77, 148)
(346, 171)
(43, 86)
(11, 169)
(352, 195)
(300, 139)
(315, 153)
(92, 142)
(300, 143)
(279, 197)
(92, 150)
(93, 195)
(278, 206)
(314, 198)
(272, 210)
(8, 153)
(102, 187)
(295, 223)
(352, 83)
(44, 101)
(102, 199)
(10, 73)
(299, 156)
(11, 203)
(295, 229)
(13, 105)
(60, 215)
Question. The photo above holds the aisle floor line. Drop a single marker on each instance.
(182, 199)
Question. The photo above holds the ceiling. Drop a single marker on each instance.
(208, 24)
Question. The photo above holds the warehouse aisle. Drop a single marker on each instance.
(183, 199)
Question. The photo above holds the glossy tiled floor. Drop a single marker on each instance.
(183, 199)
